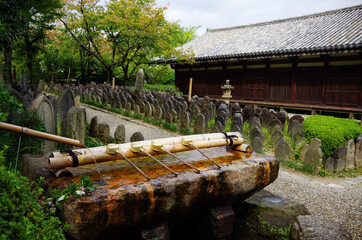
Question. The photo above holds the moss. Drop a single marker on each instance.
(278, 233)
(257, 225)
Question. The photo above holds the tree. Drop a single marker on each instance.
(26, 20)
(10, 24)
(39, 17)
(124, 34)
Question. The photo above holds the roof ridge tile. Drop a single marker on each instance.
(314, 15)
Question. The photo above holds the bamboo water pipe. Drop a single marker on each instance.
(147, 143)
(70, 161)
(47, 136)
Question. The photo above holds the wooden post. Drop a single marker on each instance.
(190, 89)
(113, 80)
(294, 80)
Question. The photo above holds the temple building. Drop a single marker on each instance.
(312, 61)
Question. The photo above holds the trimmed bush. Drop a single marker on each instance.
(162, 88)
(332, 131)
(22, 214)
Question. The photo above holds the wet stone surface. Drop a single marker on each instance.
(125, 199)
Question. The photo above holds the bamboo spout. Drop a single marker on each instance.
(134, 150)
(47, 136)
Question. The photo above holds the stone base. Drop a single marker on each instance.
(312, 227)
(124, 202)
(265, 215)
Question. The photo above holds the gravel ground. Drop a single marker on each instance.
(339, 199)
(148, 131)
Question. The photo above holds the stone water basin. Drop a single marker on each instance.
(124, 199)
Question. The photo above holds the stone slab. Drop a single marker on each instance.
(125, 199)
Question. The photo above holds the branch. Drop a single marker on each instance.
(82, 45)
(88, 31)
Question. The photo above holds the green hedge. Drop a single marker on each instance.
(332, 131)
(22, 214)
(162, 88)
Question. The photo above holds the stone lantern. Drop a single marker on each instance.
(227, 91)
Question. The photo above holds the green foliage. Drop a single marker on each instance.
(92, 142)
(147, 119)
(185, 131)
(170, 126)
(182, 35)
(26, 22)
(8, 103)
(227, 125)
(297, 165)
(211, 123)
(78, 189)
(160, 74)
(127, 113)
(162, 88)
(332, 131)
(137, 116)
(29, 144)
(157, 123)
(94, 103)
(115, 110)
(23, 214)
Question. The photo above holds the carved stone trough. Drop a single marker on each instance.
(126, 201)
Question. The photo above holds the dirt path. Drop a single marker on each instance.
(149, 131)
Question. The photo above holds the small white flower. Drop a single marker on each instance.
(80, 193)
(49, 201)
(61, 198)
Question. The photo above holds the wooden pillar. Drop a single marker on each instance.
(294, 79)
(267, 79)
(190, 90)
(325, 75)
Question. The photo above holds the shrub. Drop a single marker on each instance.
(159, 74)
(127, 113)
(332, 131)
(92, 142)
(185, 131)
(22, 214)
(170, 126)
(115, 110)
(28, 144)
(162, 88)
(157, 123)
(8, 103)
(94, 103)
(137, 116)
(147, 119)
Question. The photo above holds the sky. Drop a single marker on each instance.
(229, 13)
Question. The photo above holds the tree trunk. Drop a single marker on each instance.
(68, 75)
(8, 75)
(29, 58)
(82, 66)
(110, 74)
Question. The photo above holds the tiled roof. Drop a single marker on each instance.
(334, 30)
